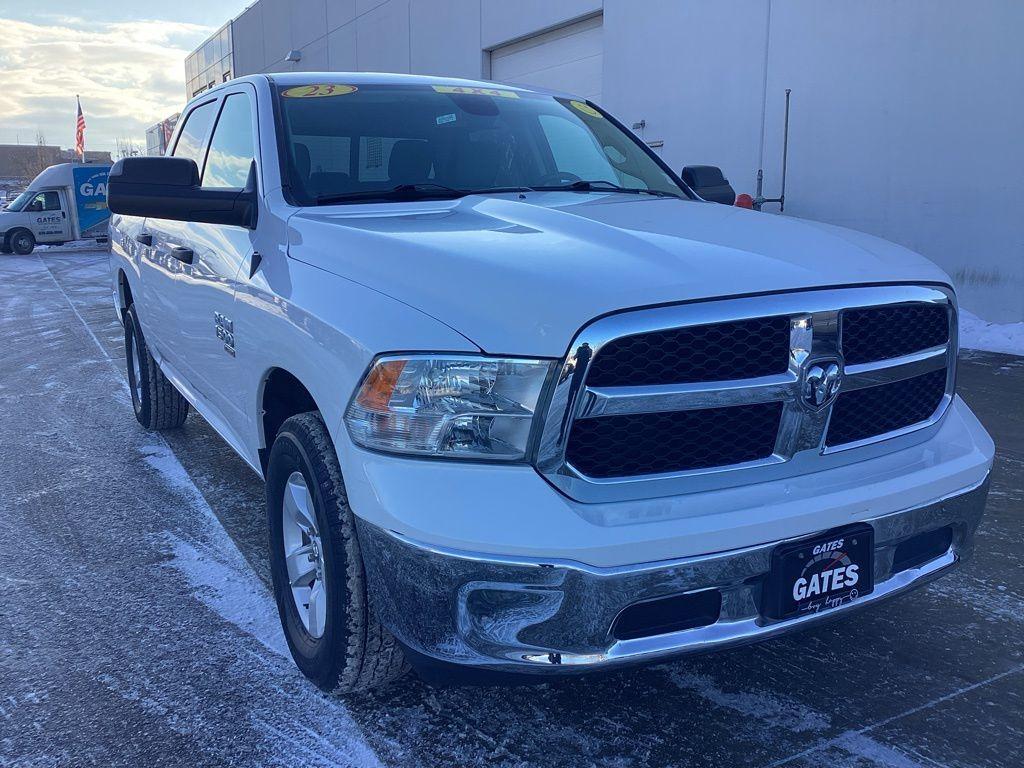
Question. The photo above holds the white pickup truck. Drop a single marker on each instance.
(524, 403)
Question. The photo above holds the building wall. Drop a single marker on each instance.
(210, 63)
(905, 122)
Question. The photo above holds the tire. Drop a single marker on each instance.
(156, 402)
(347, 649)
(21, 242)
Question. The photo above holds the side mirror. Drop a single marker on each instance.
(708, 182)
(168, 188)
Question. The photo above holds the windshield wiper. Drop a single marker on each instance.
(420, 191)
(598, 185)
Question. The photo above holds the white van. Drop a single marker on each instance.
(65, 202)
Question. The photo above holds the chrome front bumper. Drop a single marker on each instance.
(520, 616)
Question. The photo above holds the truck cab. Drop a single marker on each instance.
(525, 404)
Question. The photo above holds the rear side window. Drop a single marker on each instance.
(190, 140)
(232, 147)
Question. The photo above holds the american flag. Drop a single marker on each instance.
(80, 132)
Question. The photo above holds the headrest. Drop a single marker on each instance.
(302, 163)
(410, 162)
(477, 164)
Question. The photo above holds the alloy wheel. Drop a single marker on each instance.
(304, 555)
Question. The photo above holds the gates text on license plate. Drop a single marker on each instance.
(820, 572)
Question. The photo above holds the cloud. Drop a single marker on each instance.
(128, 74)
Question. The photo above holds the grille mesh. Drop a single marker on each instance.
(873, 411)
(651, 443)
(734, 350)
(879, 333)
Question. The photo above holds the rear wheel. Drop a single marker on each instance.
(21, 242)
(156, 402)
(319, 582)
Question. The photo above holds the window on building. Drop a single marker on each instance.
(231, 148)
(193, 132)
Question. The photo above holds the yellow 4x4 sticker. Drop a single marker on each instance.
(317, 91)
(465, 89)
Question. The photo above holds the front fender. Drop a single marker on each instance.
(324, 330)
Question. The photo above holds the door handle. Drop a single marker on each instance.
(144, 239)
(182, 254)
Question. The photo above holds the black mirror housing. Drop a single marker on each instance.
(710, 183)
(169, 188)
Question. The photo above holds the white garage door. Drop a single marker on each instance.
(566, 59)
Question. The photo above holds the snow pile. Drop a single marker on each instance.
(976, 333)
(89, 244)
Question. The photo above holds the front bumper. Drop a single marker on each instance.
(555, 617)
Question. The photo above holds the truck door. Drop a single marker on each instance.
(159, 265)
(48, 216)
(204, 294)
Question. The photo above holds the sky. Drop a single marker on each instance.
(125, 60)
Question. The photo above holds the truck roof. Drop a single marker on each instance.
(386, 78)
(61, 174)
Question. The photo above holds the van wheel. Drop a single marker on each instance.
(319, 581)
(22, 242)
(157, 404)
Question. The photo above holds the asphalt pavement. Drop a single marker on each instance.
(137, 626)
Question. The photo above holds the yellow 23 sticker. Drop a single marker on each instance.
(585, 108)
(318, 91)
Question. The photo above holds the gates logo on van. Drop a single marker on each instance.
(91, 199)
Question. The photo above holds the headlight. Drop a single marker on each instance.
(440, 405)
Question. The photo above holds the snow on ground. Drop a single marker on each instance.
(976, 333)
(72, 246)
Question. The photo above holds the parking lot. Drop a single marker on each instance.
(137, 626)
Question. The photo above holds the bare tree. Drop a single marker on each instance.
(34, 160)
(126, 147)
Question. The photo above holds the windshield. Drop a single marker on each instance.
(356, 144)
(19, 202)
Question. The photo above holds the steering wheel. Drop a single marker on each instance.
(557, 179)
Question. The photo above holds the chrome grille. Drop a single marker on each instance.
(608, 435)
(866, 413)
(867, 334)
(739, 349)
(643, 443)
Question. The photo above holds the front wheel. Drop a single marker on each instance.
(319, 581)
(22, 242)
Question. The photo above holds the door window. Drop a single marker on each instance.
(44, 201)
(190, 140)
(232, 147)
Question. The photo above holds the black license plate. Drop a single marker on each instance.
(820, 572)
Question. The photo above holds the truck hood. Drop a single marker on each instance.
(521, 275)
